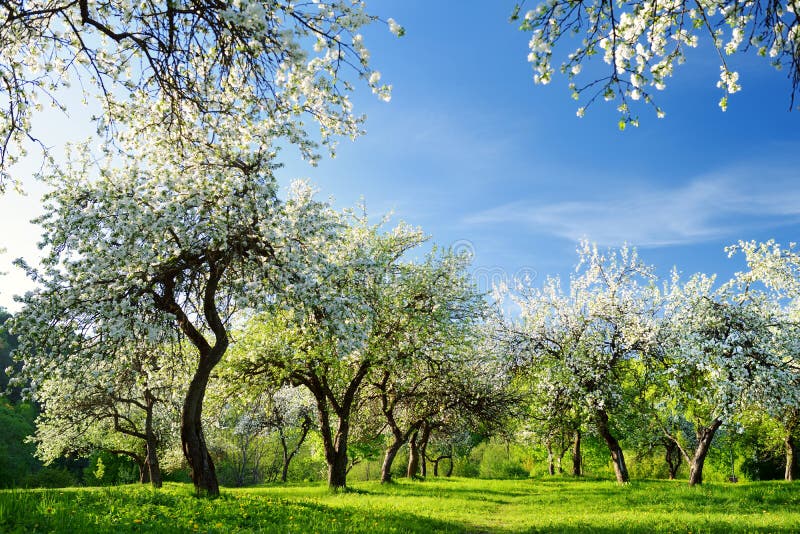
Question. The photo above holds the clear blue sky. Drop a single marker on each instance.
(471, 150)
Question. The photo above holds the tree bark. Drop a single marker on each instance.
(388, 459)
(423, 447)
(335, 446)
(413, 456)
(337, 459)
(791, 457)
(673, 458)
(144, 473)
(193, 441)
(286, 459)
(704, 437)
(201, 465)
(153, 468)
(450, 468)
(576, 453)
(617, 457)
(551, 470)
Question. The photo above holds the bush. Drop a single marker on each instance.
(106, 469)
(51, 477)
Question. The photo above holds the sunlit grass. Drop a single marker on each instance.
(439, 505)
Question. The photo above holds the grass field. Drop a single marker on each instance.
(439, 505)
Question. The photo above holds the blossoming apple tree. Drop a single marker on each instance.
(584, 348)
(777, 269)
(333, 362)
(720, 356)
(124, 399)
(174, 242)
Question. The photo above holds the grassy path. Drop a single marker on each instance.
(439, 505)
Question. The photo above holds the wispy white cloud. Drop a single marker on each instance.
(714, 206)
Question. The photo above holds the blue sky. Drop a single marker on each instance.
(471, 150)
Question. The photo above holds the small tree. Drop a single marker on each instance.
(326, 353)
(587, 346)
(719, 357)
(126, 401)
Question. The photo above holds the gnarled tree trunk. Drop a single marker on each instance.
(388, 459)
(617, 457)
(335, 445)
(337, 461)
(425, 437)
(792, 421)
(195, 450)
(335, 448)
(551, 470)
(287, 454)
(704, 437)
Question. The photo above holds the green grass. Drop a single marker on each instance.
(438, 505)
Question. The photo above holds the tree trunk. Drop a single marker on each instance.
(335, 446)
(336, 455)
(551, 470)
(576, 453)
(423, 447)
(337, 471)
(153, 468)
(286, 460)
(287, 454)
(673, 458)
(201, 465)
(413, 457)
(791, 457)
(704, 437)
(617, 457)
(436, 467)
(561, 458)
(388, 459)
(144, 473)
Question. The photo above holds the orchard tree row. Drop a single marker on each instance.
(174, 268)
(163, 262)
(638, 361)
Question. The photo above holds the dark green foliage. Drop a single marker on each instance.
(8, 343)
(116, 469)
(51, 477)
(17, 462)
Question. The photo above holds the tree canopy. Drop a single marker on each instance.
(293, 58)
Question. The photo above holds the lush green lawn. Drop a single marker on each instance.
(443, 505)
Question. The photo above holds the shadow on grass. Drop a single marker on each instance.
(566, 507)
(122, 511)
